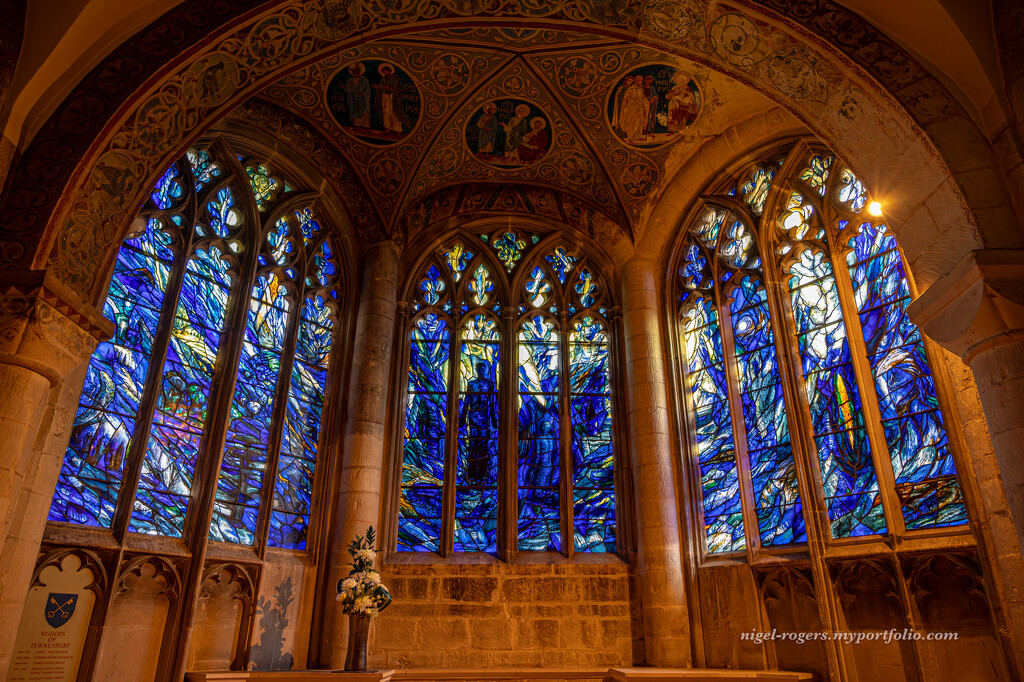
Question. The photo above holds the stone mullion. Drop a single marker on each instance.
(391, 493)
(211, 451)
(158, 356)
(880, 455)
(446, 546)
(508, 516)
(565, 460)
(801, 427)
(624, 507)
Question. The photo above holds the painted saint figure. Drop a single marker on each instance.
(488, 129)
(515, 129)
(651, 95)
(632, 116)
(682, 104)
(535, 142)
(357, 96)
(389, 99)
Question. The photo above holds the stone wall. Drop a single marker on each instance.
(508, 615)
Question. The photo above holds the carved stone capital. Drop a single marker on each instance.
(46, 327)
(977, 306)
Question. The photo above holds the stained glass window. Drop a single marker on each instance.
(224, 330)
(456, 462)
(860, 389)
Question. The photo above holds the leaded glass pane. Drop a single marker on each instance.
(590, 412)
(419, 524)
(476, 475)
(538, 470)
(922, 461)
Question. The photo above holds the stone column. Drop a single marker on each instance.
(977, 312)
(46, 332)
(362, 454)
(659, 571)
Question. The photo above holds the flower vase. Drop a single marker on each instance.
(358, 633)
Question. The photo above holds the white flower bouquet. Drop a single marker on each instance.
(362, 591)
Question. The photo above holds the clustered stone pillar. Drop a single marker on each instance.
(362, 456)
(46, 332)
(659, 571)
(977, 311)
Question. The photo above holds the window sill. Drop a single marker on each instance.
(520, 559)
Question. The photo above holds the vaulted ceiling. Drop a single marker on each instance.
(599, 144)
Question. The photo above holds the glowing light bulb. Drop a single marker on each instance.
(875, 208)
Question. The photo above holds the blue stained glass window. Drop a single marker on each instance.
(539, 462)
(915, 432)
(426, 417)
(476, 475)
(161, 370)
(510, 249)
(171, 454)
(252, 410)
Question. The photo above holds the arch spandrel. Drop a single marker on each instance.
(781, 61)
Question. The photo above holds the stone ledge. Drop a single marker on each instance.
(472, 674)
(291, 676)
(705, 675)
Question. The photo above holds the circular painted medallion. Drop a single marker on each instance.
(652, 104)
(508, 133)
(374, 100)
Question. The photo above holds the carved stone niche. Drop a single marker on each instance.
(950, 594)
(870, 596)
(225, 605)
(791, 604)
(146, 592)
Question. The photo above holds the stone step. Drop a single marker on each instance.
(490, 675)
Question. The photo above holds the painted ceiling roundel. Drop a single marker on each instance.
(600, 122)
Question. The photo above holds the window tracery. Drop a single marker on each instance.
(225, 303)
(524, 417)
(811, 389)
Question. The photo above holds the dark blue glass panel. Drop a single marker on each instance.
(561, 263)
(170, 460)
(844, 454)
(252, 411)
(168, 188)
(914, 428)
(426, 419)
(538, 468)
(716, 455)
(593, 462)
(476, 476)
(91, 474)
(293, 488)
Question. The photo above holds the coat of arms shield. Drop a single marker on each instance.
(60, 608)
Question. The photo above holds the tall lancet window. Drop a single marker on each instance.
(509, 431)
(225, 303)
(810, 390)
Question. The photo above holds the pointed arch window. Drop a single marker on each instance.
(225, 303)
(508, 441)
(811, 390)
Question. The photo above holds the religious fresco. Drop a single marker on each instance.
(377, 101)
(509, 133)
(652, 104)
